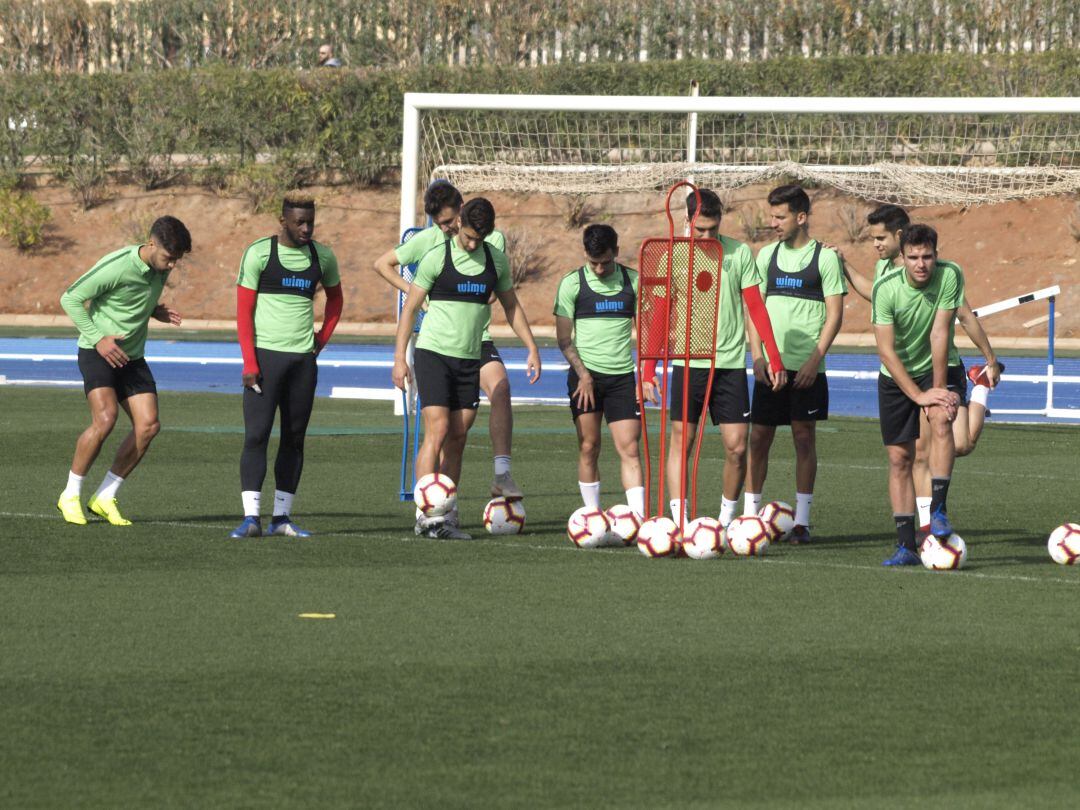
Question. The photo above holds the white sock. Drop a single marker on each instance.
(109, 487)
(678, 507)
(979, 395)
(751, 503)
(635, 499)
(923, 505)
(727, 510)
(590, 493)
(282, 503)
(802, 508)
(74, 485)
(502, 465)
(252, 501)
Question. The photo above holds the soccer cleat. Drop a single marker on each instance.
(106, 508)
(977, 374)
(505, 487)
(800, 535)
(903, 556)
(282, 526)
(440, 529)
(71, 508)
(250, 527)
(940, 525)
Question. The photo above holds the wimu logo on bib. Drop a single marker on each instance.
(610, 306)
(296, 283)
(789, 283)
(472, 288)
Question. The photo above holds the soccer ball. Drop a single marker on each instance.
(588, 528)
(748, 536)
(1064, 544)
(658, 537)
(779, 518)
(703, 538)
(504, 517)
(435, 495)
(943, 555)
(624, 523)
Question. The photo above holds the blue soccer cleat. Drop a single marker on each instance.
(903, 556)
(250, 527)
(284, 527)
(939, 524)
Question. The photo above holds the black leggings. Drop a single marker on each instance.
(288, 381)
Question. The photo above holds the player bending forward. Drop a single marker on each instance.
(594, 321)
(442, 202)
(913, 313)
(123, 290)
(457, 278)
(886, 224)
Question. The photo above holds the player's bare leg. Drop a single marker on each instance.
(436, 420)
(970, 420)
(458, 423)
(626, 434)
(142, 410)
(942, 457)
(588, 433)
(902, 498)
(757, 465)
(804, 436)
(496, 385)
(735, 437)
(674, 465)
(103, 412)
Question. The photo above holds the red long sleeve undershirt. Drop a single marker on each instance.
(331, 315)
(245, 322)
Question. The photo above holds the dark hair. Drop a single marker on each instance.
(710, 204)
(171, 234)
(893, 217)
(918, 235)
(599, 239)
(479, 214)
(439, 195)
(792, 196)
(297, 200)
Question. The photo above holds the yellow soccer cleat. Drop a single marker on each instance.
(107, 509)
(71, 508)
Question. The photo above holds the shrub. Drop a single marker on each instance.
(22, 218)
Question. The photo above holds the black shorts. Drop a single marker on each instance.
(133, 378)
(447, 382)
(789, 403)
(613, 394)
(899, 415)
(729, 402)
(489, 354)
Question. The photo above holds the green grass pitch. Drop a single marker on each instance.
(165, 665)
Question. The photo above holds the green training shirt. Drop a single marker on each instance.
(432, 236)
(123, 292)
(797, 322)
(456, 328)
(285, 323)
(605, 344)
(911, 311)
(883, 267)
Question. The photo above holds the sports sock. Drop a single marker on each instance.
(502, 465)
(109, 487)
(979, 395)
(905, 531)
(802, 508)
(727, 510)
(252, 501)
(282, 503)
(74, 485)
(923, 505)
(590, 493)
(635, 499)
(751, 503)
(678, 507)
(939, 494)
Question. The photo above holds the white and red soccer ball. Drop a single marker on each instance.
(588, 528)
(435, 495)
(703, 539)
(1064, 544)
(779, 518)
(624, 523)
(659, 537)
(748, 536)
(943, 555)
(503, 516)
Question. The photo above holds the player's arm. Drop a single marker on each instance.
(564, 334)
(834, 317)
(759, 332)
(519, 322)
(858, 282)
(939, 345)
(885, 335)
(247, 295)
(166, 314)
(413, 302)
(87, 287)
(978, 336)
(387, 267)
(335, 303)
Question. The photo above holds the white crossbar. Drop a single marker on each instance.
(1009, 303)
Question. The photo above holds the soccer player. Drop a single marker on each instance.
(886, 224)
(804, 292)
(275, 323)
(729, 399)
(457, 278)
(913, 313)
(594, 321)
(442, 202)
(112, 305)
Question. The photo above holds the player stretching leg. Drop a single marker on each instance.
(804, 292)
(886, 224)
(594, 322)
(913, 311)
(458, 279)
(442, 202)
(729, 401)
(123, 289)
(275, 322)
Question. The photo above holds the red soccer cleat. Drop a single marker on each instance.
(977, 374)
